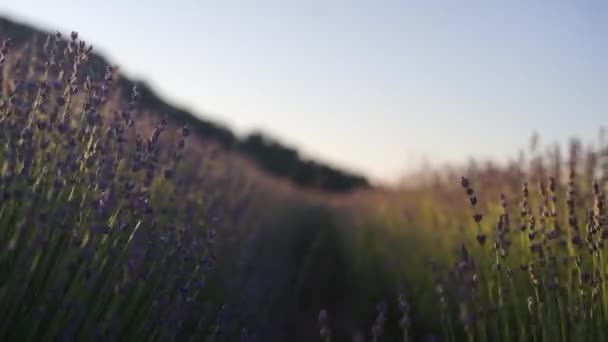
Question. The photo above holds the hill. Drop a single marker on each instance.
(268, 153)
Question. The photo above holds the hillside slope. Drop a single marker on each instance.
(269, 154)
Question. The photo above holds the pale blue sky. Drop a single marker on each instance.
(366, 85)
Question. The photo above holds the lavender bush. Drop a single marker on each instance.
(108, 228)
(528, 266)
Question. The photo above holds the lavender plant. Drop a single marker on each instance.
(556, 273)
(104, 229)
(520, 258)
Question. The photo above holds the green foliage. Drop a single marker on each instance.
(527, 266)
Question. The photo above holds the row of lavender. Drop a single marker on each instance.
(511, 253)
(538, 272)
(107, 229)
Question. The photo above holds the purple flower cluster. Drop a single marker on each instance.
(105, 232)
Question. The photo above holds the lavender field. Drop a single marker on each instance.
(120, 223)
(121, 220)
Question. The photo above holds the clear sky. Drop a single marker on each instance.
(367, 85)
